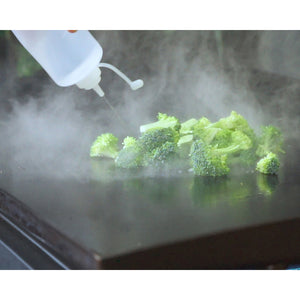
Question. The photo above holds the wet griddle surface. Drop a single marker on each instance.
(116, 212)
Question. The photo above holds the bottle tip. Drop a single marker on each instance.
(99, 91)
(137, 84)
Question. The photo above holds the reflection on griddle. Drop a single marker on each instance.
(208, 191)
(267, 184)
(166, 185)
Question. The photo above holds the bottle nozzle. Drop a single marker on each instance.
(92, 80)
(99, 91)
(137, 84)
(134, 85)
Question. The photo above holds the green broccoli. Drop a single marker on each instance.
(105, 145)
(162, 155)
(271, 140)
(222, 138)
(184, 145)
(239, 146)
(154, 138)
(129, 141)
(206, 134)
(199, 127)
(235, 122)
(268, 164)
(187, 126)
(212, 161)
(131, 156)
(212, 134)
(201, 123)
(210, 148)
(164, 121)
(239, 142)
(206, 162)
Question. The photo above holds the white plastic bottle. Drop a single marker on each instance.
(69, 58)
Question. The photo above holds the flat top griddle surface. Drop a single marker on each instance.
(116, 212)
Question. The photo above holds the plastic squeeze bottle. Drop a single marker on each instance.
(70, 58)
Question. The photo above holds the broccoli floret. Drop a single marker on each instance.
(131, 156)
(129, 141)
(210, 134)
(199, 127)
(184, 145)
(211, 147)
(271, 140)
(187, 126)
(164, 154)
(222, 138)
(240, 147)
(206, 162)
(154, 138)
(185, 140)
(164, 121)
(201, 123)
(105, 145)
(268, 164)
(206, 134)
(239, 142)
(235, 122)
(212, 161)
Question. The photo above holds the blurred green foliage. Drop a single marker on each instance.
(3, 33)
(25, 65)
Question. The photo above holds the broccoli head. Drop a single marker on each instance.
(184, 145)
(235, 122)
(268, 164)
(162, 155)
(129, 141)
(210, 148)
(206, 134)
(164, 121)
(222, 138)
(154, 138)
(187, 126)
(198, 128)
(211, 134)
(239, 142)
(206, 162)
(105, 145)
(131, 156)
(201, 123)
(271, 140)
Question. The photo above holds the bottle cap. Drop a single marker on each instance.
(92, 82)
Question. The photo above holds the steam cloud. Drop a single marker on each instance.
(183, 76)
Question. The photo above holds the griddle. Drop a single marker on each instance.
(145, 220)
(116, 219)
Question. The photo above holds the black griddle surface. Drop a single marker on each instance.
(116, 212)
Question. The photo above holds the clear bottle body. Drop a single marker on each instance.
(67, 57)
